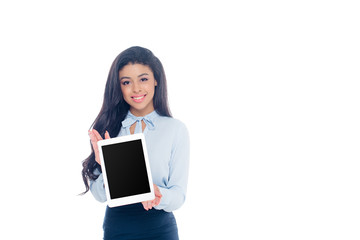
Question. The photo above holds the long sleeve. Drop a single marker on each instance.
(174, 193)
(97, 187)
(168, 148)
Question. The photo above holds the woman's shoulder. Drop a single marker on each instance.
(171, 122)
(171, 126)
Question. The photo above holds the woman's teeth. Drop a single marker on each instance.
(137, 98)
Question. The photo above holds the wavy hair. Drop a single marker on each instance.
(114, 108)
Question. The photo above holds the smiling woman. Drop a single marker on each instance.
(135, 101)
(138, 88)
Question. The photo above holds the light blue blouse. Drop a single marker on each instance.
(167, 143)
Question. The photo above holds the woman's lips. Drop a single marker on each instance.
(139, 98)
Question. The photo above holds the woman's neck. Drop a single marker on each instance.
(141, 113)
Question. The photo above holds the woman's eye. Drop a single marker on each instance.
(125, 82)
(144, 79)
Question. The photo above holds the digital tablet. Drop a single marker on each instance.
(126, 170)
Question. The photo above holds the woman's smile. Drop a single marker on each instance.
(139, 98)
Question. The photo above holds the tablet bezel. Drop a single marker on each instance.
(129, 199)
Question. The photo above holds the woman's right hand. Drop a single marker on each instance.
(152, 203)
(95, 137)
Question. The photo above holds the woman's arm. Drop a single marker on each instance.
(97, 187)
(173, 195)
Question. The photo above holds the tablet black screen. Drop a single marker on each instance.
(126, 169)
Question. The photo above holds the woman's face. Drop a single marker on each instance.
(138, 87)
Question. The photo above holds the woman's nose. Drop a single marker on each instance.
(136, 87)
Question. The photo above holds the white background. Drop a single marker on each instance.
(268, 89)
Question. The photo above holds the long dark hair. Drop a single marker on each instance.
(115, 109)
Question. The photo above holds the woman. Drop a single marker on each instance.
(135, 100)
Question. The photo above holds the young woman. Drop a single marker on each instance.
(135, 100)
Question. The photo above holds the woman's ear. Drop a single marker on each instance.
(155, 83)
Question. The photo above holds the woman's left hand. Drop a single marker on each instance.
(152, 203)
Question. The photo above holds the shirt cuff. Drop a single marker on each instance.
(97, 188)
(171, 199)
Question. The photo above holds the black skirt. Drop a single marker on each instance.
(134, 222)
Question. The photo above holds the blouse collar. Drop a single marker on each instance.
(148, 119)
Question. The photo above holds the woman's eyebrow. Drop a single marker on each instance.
(142, 75)
(124, 78)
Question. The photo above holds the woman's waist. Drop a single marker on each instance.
(135, 215)
(135, 209)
